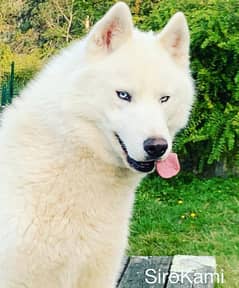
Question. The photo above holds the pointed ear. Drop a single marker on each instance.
(175, 38)
(112, 31)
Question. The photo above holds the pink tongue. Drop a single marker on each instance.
(169, 167)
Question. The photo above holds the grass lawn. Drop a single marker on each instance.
(188, 215)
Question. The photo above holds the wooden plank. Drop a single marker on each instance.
(177, 280)
(124, 265)
(138, 275)
(192, 272)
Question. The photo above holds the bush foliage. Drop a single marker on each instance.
(213, 132)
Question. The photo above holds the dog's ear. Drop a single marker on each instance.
(113, 30)
(175, 38)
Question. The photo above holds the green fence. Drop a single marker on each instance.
(8, 87)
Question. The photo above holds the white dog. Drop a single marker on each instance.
(77, 142)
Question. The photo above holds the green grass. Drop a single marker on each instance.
(188, 215)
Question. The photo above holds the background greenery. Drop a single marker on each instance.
(31, 31)
(188, 214)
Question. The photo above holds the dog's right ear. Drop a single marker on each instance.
(112, 31)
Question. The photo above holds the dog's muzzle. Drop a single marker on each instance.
(141, 166)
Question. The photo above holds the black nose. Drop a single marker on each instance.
(155, 147)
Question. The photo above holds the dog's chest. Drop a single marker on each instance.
(78, 205)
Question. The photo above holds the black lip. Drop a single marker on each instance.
(141, 166)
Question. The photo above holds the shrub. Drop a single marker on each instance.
(213, 132)
(26, 66)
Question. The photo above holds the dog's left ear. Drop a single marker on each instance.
(175, 39)
(112, 31)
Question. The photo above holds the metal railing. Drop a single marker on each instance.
(8, 87)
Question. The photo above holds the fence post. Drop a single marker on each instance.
(11, 83)
(8, 88)
(4, 95)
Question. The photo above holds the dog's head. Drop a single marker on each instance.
(138, 86)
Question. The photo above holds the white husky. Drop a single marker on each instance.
(76, 144)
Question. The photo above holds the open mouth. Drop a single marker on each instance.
(141, 166)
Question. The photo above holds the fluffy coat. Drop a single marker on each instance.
(66, 189)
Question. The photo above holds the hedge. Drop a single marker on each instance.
(211, 137)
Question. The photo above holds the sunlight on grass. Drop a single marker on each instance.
(188, 215)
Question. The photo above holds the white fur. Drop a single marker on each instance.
(66, 191)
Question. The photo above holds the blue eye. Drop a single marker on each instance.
(124, 95)
(164, 99)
